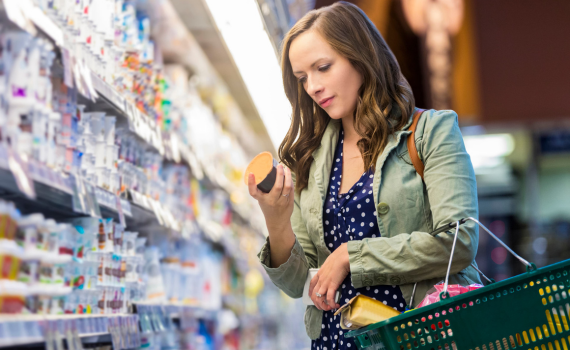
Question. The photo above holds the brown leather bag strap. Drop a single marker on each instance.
(412, 150)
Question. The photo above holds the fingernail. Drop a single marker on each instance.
(281, 166)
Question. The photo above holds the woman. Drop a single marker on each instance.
(350, 202)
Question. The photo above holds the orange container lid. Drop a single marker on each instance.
(260, 166)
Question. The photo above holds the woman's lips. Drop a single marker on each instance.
(327, 102)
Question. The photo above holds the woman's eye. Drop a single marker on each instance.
(324, 68)
(302, 80)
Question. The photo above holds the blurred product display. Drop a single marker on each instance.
(123, 219)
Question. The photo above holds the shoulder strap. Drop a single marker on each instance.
(412, 150)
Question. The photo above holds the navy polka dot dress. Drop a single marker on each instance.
(350, 216)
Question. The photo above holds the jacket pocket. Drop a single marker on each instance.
(313, 322)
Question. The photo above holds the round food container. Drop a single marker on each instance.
(264, 167)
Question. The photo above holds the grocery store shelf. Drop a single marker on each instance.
(29, 330)
(90, 340)
(51, 201)
(196, 16)
(58, 204)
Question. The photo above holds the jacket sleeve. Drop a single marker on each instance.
(452, 192)
(290, 277)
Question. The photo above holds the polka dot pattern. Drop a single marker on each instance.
(344, 213)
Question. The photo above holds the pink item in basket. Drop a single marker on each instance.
(432, 296)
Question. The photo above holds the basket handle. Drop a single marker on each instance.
(444, 294)
(529, 266)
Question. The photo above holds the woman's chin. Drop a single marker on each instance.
(335, 116)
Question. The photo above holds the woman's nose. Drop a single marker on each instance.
(313, 87)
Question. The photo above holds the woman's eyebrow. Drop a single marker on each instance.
(312, 65)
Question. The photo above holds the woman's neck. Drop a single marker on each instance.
(350, 134)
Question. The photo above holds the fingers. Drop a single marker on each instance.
(287, 185)
(323, 300)
(327, 289)
(251, 186)
(331, 294)
(275, 192)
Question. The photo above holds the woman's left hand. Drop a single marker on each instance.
(329, 278)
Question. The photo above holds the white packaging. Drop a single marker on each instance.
(110, 130)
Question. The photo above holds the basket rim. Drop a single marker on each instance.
(458, 298)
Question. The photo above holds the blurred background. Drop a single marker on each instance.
(502, 65)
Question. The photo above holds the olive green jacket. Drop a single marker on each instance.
(407, 209)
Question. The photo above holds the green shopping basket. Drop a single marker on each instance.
(528, 311)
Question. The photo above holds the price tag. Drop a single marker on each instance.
(19, 169)
(79, 198)
(103, 198)
(84, 198)
(86, 73)
(119, 208)
(94, 210)
(3, 157)
(156, 209)
(126, 206)
(146, 202)
(68, 183)
(137, 198)
(67, 70)
(77, 76)
(60, 182)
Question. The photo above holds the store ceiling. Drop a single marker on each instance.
(196, 17)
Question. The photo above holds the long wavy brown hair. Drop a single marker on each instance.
(386, 101)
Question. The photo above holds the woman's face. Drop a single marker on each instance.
(329, 78)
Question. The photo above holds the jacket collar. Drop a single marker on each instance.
(393, 142)
(323, 156)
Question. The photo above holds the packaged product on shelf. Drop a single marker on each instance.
(10, 259)
(109, 231)
(118, 237)
(154, 282)
(131, 269)
(27, 232)
(43, 234)
(12, 296)
(171, 271)
(59, 267)
(140, 245)
(52, 237)
(147, 336)
(29, 268)
(66, 240)
(129, 241)
(58, 305)
(191, 279)
(90, 233)
(108, 270)
(78, 275)
(91, 273)
(9, 217)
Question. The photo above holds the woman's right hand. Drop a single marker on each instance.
(277, 205)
